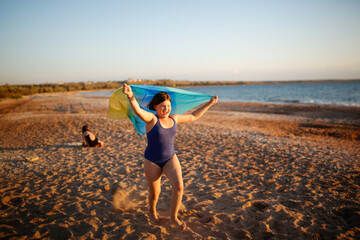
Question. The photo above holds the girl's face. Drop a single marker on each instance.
(163, 109)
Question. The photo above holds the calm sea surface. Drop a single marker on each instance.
(333, 93)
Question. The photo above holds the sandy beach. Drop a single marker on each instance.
(251, 171)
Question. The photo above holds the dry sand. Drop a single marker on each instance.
(251, 171)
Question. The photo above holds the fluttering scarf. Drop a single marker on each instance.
(181, 102)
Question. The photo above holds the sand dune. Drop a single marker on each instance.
(251, 171)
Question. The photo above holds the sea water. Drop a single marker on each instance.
(346, 93)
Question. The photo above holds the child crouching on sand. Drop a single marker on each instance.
(89, 139)
(160, 156)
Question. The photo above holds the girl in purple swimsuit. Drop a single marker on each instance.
(160, 154)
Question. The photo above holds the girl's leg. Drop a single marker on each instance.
(172, 170)
(153, 176)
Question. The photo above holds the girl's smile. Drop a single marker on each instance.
(163, 109)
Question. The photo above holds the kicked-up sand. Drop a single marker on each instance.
(251, 171)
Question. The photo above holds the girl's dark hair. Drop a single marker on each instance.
(85, 128)
(157, 99)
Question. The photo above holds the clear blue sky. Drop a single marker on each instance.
(53, 41)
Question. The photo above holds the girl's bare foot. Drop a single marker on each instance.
(180, 224)
(154, 216)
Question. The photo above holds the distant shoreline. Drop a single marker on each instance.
(18, 91)
(179, 83)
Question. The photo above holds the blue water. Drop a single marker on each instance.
(330, 93)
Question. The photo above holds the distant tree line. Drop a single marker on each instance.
(17, 91)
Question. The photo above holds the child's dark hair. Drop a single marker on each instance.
(85, 128)
(157, 99)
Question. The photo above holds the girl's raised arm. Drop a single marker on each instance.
(183, 118)
(144, 115)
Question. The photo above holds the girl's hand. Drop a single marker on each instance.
(127, 90)
(214, 99)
